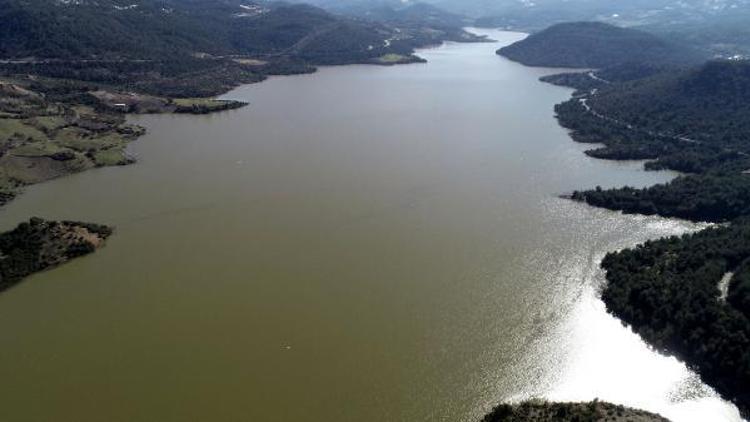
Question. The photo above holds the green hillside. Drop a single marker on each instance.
(595, 45)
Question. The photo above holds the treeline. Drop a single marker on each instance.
(194, 48)
(585, 82)
(186, 77)
(667, 290)
(624, 141)
(159, 30)
(173, 32)
(707, 104)
(655, 119)
(581, 81)
(711, 197)
(621, 142)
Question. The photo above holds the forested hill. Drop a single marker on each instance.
(188, 48)
(696, 121)
(709, 104)
(156, 29)
(418, 20)
(414, 13)
(595, 45)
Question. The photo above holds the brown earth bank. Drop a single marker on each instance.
(38, 245)
(543, 411)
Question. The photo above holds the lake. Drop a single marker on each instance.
(364, 243)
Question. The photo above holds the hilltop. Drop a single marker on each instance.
(595, 45)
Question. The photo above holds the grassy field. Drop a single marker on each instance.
(42, 138)
(392, 58)
(189, 102)
(17, 127)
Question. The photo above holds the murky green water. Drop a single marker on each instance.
(365, 243)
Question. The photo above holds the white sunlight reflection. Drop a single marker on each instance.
(649, 380)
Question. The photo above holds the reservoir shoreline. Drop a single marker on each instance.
(402, 275)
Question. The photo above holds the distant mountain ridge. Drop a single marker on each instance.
(190, 47)
(415, 13)
(595, 45)
(147, 29)
(419, 20)
(536, 13)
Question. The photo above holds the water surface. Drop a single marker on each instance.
(365, 243)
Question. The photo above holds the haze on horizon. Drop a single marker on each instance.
(542, 12)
